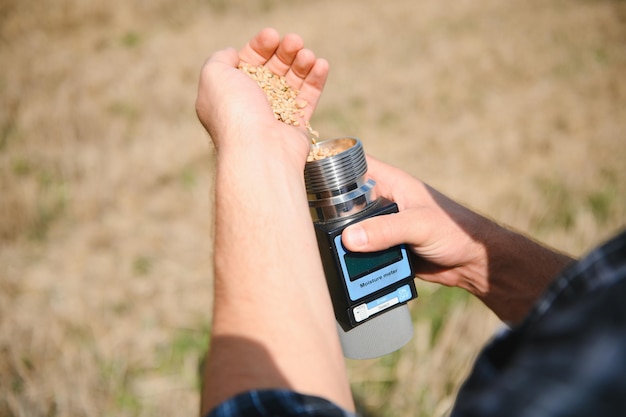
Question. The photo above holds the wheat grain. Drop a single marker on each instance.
(316, 153)
(281, 96)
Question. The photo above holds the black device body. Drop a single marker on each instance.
(363, 285)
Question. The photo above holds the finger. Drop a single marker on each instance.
(261, 47)
(317, 76)
(280, 62)
(380, 232)
(313, 85)
(432, 272)
(300, 68)
(388, 178)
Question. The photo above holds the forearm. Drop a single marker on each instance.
(518, 271)
(272, 312)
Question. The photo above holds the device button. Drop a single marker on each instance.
(360, 312)
(404, 293)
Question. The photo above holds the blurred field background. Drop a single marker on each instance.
(517, 109)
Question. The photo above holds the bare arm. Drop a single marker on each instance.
(273, 325)
(455, 246)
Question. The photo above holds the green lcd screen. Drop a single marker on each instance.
(360, 264)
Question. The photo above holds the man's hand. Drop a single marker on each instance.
(243, 108)
(289, 58)
(455, 246)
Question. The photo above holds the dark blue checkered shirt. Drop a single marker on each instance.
(568, 357)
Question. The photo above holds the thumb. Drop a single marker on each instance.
(377, 233)
(228, 56)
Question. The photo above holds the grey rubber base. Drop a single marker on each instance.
(379, 336)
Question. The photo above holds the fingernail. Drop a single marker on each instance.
(357, 236)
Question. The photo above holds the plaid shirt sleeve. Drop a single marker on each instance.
(568, 358)
(278, 403)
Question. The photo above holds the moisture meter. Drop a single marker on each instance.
(369, 290)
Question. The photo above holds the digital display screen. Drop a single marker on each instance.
(360, 264)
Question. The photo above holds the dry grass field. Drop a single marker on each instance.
(517, 109)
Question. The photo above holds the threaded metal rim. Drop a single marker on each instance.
(337, 171)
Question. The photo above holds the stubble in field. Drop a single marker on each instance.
(517, 109)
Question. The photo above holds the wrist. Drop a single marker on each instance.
(278, 144)
(518, 271)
